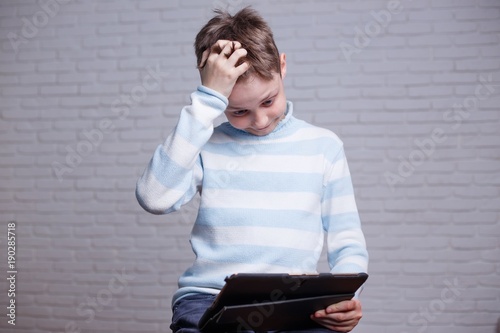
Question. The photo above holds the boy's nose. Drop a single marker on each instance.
(260, 119)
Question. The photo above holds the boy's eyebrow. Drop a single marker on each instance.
(272, 93)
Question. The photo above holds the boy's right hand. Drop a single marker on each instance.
(218, 69)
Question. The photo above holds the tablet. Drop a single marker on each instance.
(264, 302)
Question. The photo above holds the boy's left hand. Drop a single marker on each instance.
(342, 316)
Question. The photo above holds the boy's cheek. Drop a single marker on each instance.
(236, 122)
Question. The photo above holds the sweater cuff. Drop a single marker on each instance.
(214, 93)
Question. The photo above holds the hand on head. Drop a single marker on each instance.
(220, 66)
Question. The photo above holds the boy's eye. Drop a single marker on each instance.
(239, 113)
(268, 102)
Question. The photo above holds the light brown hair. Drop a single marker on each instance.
(254, 34)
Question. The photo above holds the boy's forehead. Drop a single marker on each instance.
(253, 89)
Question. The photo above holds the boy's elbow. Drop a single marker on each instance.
(148, 203)
(151, 208)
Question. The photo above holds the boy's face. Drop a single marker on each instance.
(257, 106)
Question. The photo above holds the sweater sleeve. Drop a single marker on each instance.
(174, 173)
(345, 240)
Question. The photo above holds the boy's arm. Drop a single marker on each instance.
(346, 243)
(174, 173)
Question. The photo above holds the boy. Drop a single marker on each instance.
(270, 184)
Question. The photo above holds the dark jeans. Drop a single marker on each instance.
(188, 310)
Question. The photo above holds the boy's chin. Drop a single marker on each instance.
(263, 132)
(260, 132)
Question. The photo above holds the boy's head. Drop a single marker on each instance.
(257, 102)
(248, 28)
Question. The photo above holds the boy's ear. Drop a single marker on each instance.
(283, 65)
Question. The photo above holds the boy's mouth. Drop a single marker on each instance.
(264, 128)
(274, 122)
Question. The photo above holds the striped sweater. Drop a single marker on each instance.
(266, 201)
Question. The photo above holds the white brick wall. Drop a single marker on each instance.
(89, 88)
